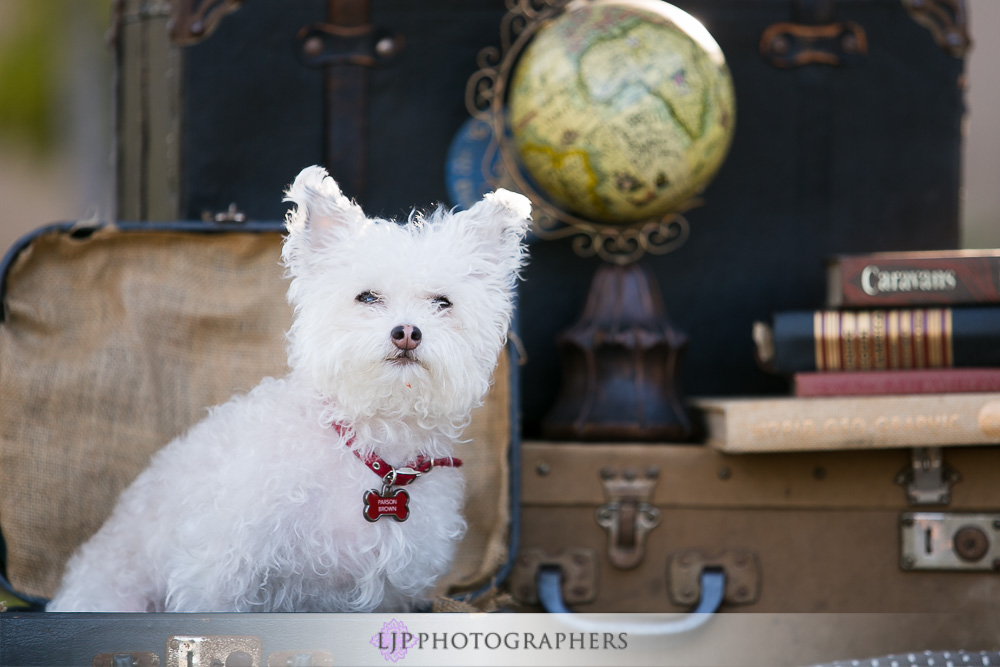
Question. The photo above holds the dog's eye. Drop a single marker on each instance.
(442, 302)
(367, 297)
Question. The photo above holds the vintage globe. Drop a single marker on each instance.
(621, 110)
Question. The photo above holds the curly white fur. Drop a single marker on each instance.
(258, 507)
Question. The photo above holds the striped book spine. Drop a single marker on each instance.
(873, 340)
(883, 339)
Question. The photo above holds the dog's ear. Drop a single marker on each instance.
(320, 206)
(498, 225)
(322, 213)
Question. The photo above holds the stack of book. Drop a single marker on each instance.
(906, 353)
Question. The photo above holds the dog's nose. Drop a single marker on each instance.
(405, 337)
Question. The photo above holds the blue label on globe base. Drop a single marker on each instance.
(464, 175)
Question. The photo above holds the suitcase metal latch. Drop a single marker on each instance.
(628, 515)
(927, 479)
(945, 541)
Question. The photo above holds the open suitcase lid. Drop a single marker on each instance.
(102, 322)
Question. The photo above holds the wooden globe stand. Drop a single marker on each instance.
(620, 363)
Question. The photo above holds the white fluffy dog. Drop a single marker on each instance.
(289, 498)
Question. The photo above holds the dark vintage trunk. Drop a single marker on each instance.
(856, 156)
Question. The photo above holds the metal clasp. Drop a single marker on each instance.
(628, 515)
(231, 215)
(927, 479)
(948, 541)
(387, 482)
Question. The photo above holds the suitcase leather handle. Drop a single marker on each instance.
(713, 586)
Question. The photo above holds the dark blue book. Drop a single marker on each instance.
(864, 340)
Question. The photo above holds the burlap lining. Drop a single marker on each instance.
(116, 343)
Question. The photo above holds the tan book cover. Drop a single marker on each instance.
(790, 424)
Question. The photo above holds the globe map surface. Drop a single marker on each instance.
(621, 110)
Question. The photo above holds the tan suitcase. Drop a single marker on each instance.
(631, 528)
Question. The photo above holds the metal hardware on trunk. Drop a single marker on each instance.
(231, 215)
(813, 37)
(786, 45)
(366, 45)
(628, 515)
(193, 20)
(742, 569)
(143, 659)
(947, 20)
(217, 649)
(579, 575)
(946, 541)
(927, 479)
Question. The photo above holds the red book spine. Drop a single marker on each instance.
(879, 383)
(897, 279)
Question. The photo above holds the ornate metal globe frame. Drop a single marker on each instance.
(485, 99)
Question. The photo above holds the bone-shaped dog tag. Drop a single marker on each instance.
(395, 504)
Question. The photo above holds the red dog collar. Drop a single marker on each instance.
(399, 476)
